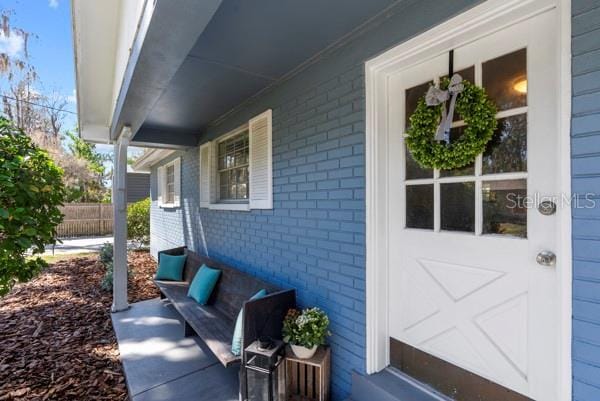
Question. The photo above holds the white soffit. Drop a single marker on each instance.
(149, 158)
(98, 41)
(95, 30)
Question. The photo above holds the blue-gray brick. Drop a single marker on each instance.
(585, 145)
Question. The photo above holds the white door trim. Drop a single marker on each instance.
(491, 16)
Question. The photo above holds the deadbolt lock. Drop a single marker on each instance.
(547, 208)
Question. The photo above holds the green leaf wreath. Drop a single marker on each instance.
(479, 114)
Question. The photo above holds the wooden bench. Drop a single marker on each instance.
(214, 323)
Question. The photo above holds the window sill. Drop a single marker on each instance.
(242, 207)
(168, 206)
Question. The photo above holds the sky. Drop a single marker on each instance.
(50, 49)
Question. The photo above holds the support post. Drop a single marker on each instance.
(119, 201)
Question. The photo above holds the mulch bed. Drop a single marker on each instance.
(56, 336)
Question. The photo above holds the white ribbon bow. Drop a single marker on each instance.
(436, 96)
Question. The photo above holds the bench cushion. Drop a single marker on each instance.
(212, 326)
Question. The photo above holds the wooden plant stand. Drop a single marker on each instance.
(308, 379)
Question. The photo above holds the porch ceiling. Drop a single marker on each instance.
(245, 47)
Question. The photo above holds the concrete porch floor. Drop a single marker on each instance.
(161, 365)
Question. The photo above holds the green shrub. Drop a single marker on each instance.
(138, 222)
(31, 191)
(106, 253)
(107, 280)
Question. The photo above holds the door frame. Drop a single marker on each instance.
(479, 21)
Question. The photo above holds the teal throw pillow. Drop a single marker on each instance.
(236, 343)
(203, 284)
(170, 267)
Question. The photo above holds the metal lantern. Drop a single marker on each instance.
(265, 371)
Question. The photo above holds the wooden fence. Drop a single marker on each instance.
(86, 219)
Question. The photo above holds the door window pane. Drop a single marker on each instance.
(419, 206)
(457, 206)
(504, 207)
(505, 80)
(413, 170)
(469, 169)
(412, 96)
(507, 151)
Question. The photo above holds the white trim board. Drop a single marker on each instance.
(480, 21)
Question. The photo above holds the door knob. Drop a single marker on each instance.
(546, 258)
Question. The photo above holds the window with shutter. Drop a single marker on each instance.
(169, 184)
(236, 170)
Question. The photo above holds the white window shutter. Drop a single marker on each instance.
(177, 182)
(261, 161)
(160, 179)
(205, 173)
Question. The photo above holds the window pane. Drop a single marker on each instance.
(232, 184)
(223, 184)
(233, 162)
(222, 156)
(504, 210)
(419, 206)
(413, 170)
(170, 174)
(242, 181)
(456, 133)
(507, 151)
(412, 96)
(457, 206)
(505, 80)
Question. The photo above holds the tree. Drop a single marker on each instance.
(41, 117)
(138, 222)
(90, 186)
(54, 106)
(31, 191)
(20, 103)
(19, 98)
(87, 151)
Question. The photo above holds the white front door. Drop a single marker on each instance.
(464, 284)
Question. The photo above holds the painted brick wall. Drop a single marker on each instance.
(586, 179)
(314, 238)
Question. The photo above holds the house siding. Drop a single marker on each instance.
(585, 148)
(314, 238)
(138, 186)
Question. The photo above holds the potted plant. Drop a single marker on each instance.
(305, 331)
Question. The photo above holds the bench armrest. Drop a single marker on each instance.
(173, 251)
(264, 316)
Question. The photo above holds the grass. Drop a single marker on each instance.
(65, 256)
